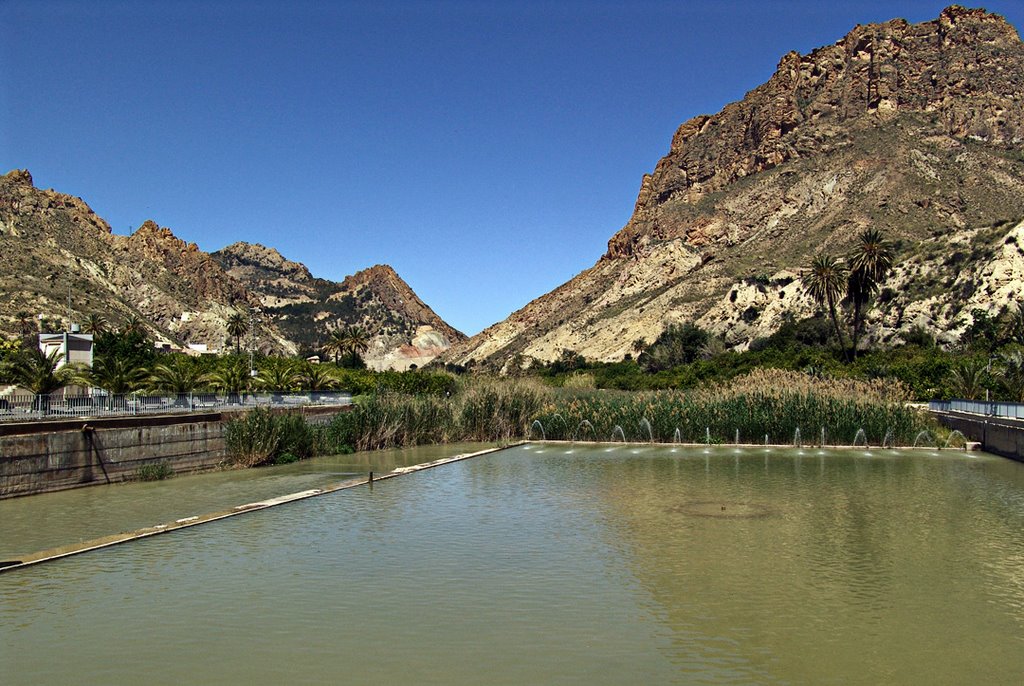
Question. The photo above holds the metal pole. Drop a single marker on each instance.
(988, 373)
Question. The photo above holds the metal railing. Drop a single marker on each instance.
(26, 407)
(982, 407)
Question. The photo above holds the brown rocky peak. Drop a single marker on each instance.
(957, 16)
(385, 283)
(20, 177)
(160, 237)
(377, 274)
(961, 73)
(263, 257)
(382, 280)
(150, 227)
(19, 195)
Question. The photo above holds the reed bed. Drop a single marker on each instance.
(262, 437)
(480, 410)
(766, 405)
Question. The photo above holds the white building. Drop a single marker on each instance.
(74, 348)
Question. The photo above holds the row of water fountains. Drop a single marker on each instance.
(585, 431)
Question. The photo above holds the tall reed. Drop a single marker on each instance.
(262, 437)
(766, 402)
(480, 410)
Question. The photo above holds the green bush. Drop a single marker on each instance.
(157, 471)
(297, 438)
(286, 458)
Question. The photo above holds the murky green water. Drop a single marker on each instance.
(49, 520)
(557, 565)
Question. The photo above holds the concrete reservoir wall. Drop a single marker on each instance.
(998, 436)
(38, 457)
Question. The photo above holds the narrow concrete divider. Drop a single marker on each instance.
(195, 520)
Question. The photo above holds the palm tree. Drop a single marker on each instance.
(825, 281)
(357, 342)
(869, 263)
(26, 323)
(1011, 376)
(278, 375)
(232, 378)
(115, 375)
(315, 377)
(1013, 329)
(95, 323)
(132, 324)
(337, 343)
(238, 324)
(178, 375)
(37, 372)
(967, 380)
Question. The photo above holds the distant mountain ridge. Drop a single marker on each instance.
(50, 241)
(405, 330)
(914, 129)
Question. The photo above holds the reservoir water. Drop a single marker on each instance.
(562, 564)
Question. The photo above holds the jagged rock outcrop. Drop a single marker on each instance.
(403, 330)
(51, 242)
(915, 129)
(961, 70)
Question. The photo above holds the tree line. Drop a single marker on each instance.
(126, 361)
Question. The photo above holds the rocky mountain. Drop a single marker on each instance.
(914, 129)
(53, 246)
(404, 330)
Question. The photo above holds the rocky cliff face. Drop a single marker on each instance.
(916, 129)
(960, 75)
(50, 242)
(54, 242)
(403, 330)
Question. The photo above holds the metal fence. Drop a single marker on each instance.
(98, 404)
(987, 408)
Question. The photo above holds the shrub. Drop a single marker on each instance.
(677, 344)
(296, 438)
(580, 381)
(157, 471)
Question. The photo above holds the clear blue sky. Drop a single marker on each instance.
(486, 150)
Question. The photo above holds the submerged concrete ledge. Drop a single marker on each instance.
(186, 522)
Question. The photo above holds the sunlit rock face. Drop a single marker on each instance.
(402, 329)
(914, 129)
(51, 243)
